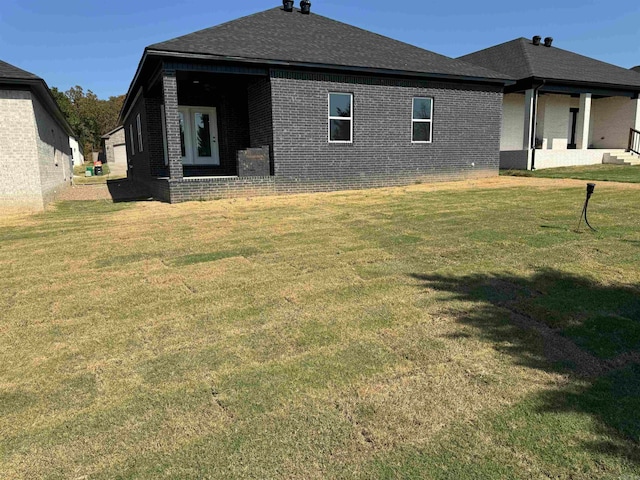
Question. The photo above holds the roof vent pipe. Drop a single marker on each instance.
(305, 7)
(288, 5)
(536, 40)
(548, 41)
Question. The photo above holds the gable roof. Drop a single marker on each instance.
(275, 35)
(108, 134)
(12, 75)
(521, 59)
(10, 71)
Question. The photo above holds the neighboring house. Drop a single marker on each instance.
(35, 156)
(115, 151)
(76, 155)
(565, 109)
(282, 101)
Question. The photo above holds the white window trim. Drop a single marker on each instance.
(131, 141)
(339, 118)
(422, 120)
(139, 126)
(164, 135)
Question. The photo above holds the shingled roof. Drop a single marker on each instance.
(9, 71)
(12, 75)
(521, 59)
(293, 38)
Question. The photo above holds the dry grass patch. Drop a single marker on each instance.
(363, 334)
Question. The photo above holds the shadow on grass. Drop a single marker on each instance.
(554, 320)
(125, 190)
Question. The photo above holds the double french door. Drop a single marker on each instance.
(199, 136)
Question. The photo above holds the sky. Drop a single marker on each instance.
(98, 44)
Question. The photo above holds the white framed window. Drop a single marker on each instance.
(340, 118)
(164, 135)
(422, 120)
(140, 146)
(131, 141)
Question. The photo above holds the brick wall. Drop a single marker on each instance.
(35, 156)
(54, 153)
(138, 161)
(289, 111)
(155, 144)
(260, 113)
(233, 128)
(466, 132)
(19, 175)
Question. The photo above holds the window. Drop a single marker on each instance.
(421, 120)
(340, 118)
(164, 135)
(133, 149)
(140, 149)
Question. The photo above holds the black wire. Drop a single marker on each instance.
(586, 220)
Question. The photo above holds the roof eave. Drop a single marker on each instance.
(148, 52)
(40, 88)
(108, 134)
(132, 88)
(283, 63)
(530, 82)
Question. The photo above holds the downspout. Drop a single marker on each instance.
(534, 127)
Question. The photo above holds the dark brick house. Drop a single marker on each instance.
(283, 101)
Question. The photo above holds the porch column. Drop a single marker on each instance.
(583, 121)
(636, 118)
(172, 123)
(527, 138)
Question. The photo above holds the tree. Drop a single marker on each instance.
(88, 116)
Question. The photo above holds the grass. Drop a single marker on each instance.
(379, 334)
(603, 173)
(80, 179)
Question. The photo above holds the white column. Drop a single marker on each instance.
(583, 121)
(636, 120)
(529, 98)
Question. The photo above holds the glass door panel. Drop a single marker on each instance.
(205, 137)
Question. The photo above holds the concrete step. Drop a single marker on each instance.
(625, 158)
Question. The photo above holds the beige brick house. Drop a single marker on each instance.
(115, 150)
(35, 156)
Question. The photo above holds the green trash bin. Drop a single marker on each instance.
(88, 172)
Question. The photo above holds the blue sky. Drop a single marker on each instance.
(97, 44)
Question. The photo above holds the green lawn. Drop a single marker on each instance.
(402, 333)
(604, 173)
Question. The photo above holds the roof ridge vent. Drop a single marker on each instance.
(305, 7)
(287, 5)
(548, 41)
(536, 40)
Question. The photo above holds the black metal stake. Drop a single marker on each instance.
(590, 188)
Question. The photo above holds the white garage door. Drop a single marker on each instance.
(120, 154)
(119, 166)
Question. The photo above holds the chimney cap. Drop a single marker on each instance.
(287, 5)
(548, 41)
(536, 40)
(305, 7)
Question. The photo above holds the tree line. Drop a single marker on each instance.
(88, 116)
